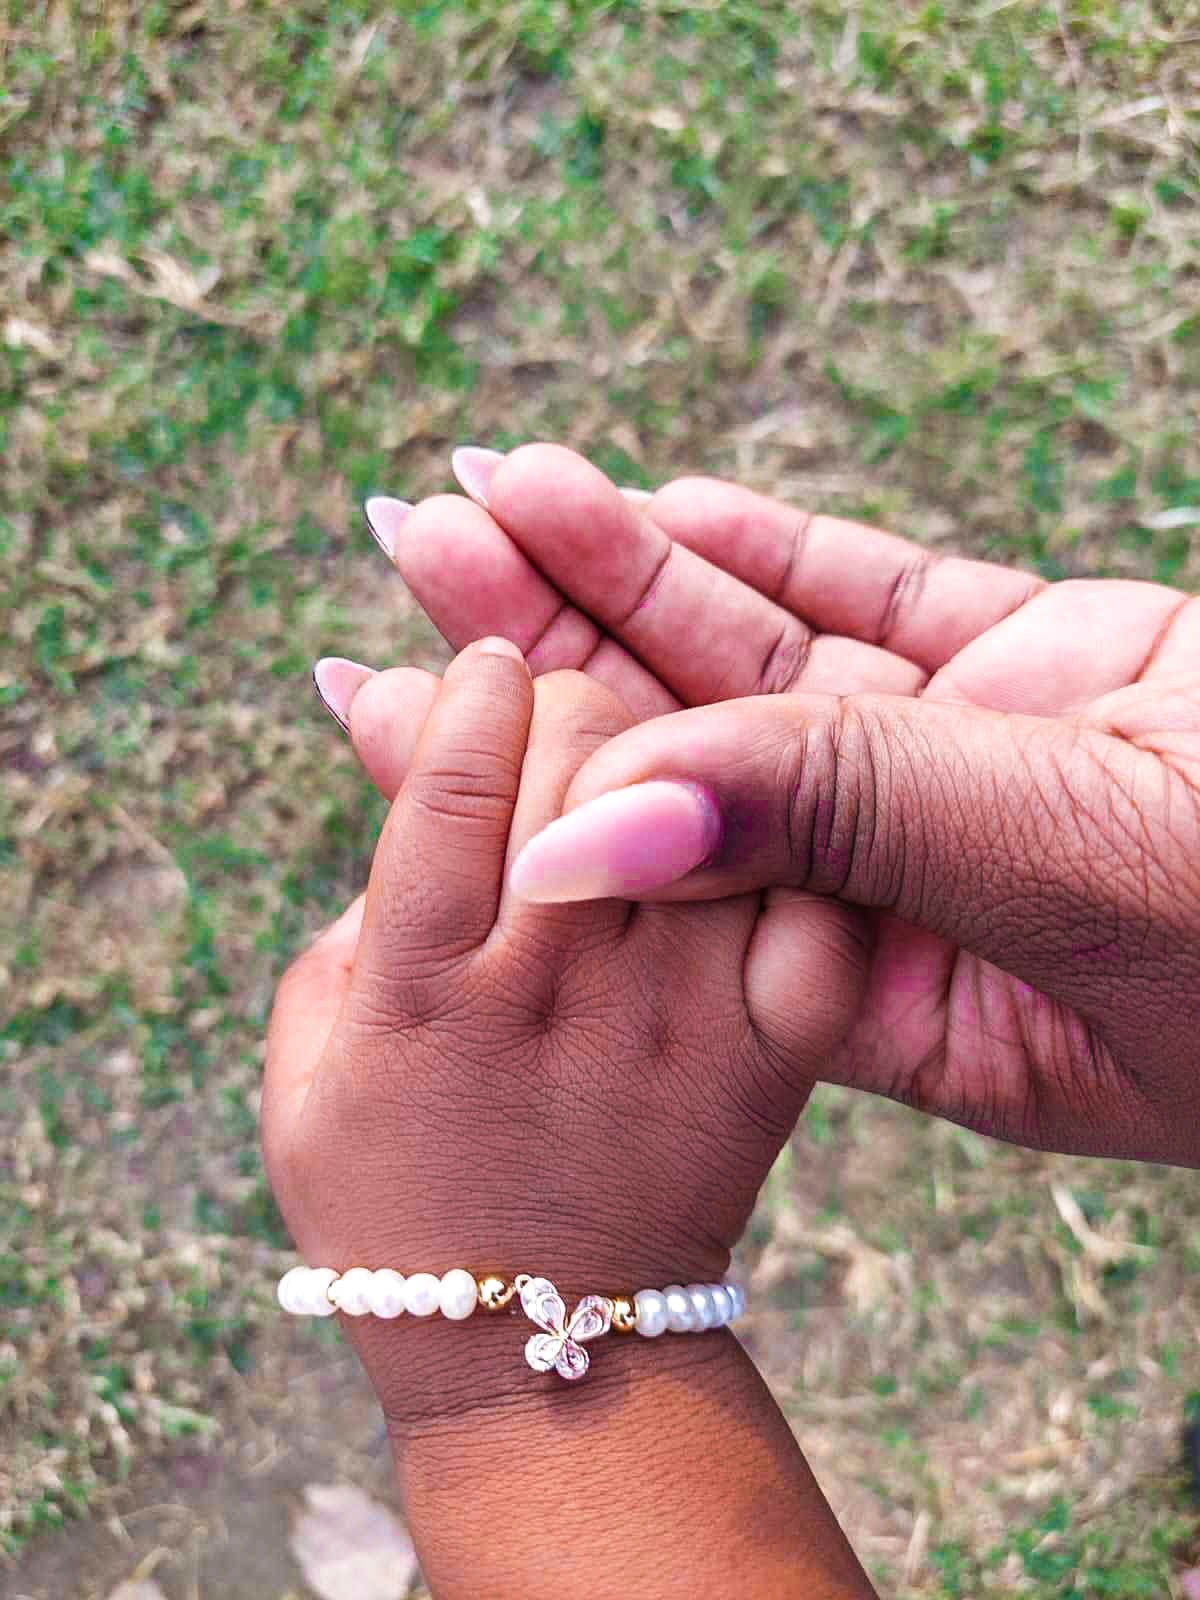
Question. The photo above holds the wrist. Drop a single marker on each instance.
(674, 1472)
(519, 1340)
(484, 1381)
(609, 1244)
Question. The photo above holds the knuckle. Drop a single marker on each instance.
(474, 790)
(388, 1001)
(904, 594)
(833, 780)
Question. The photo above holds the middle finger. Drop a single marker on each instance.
(704, 633)
(578, 576)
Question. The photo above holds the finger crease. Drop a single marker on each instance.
(904, 594)
(647, 591)
(564, 606)
(593, 652)
(1160, 638)
(799, 540)
(786, 660)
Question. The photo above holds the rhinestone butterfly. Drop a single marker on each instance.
(560, 1345)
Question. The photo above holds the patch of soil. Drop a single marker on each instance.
(213, 1518)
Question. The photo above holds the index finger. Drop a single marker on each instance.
(471, 580)
(706, 633)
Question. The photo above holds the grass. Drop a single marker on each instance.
(936, 265)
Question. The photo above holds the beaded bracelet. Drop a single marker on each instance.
(320, 1291)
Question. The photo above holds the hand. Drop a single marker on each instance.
(1072, 1036)
(590, 1092)
(457, 1077)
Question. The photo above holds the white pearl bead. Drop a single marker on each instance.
(722, 1302)
(350, 1292)
(738, 1295)
(314, 1296)
(422, 1294)
(289, 1289)
(681, 1313)
(702, 1302)
(385, 1295)
(459, 1294)
(651, 1312)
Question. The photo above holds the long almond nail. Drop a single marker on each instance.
(384, 516)
(337, 681)
(624, 844)
(475, 467)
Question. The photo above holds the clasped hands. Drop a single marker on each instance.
(933, 828)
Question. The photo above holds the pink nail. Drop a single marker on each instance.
(384, 516)
(625, 844)
(475, 467)
(337, 681)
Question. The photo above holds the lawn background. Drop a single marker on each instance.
(937, 266)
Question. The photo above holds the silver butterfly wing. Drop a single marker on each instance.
(590, 1318)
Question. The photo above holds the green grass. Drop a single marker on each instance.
(934, 265)
(1049, 1555)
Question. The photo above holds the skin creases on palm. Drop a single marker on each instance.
(950, 1033)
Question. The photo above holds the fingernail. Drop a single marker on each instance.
(337, 681)
(624, 844)
(474, 467)
(496, 646)
(639, 496)
(384, 516)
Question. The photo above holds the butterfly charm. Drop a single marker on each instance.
(560, 1345)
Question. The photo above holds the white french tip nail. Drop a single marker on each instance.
(475, 467)
(337, 680)
(384, 516)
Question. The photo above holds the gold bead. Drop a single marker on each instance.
(495, 1293)
(624, 1317)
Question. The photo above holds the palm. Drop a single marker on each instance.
(944, 1031)
(952, 1033)
(711, 592)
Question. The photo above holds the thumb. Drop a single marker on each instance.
(1026, 840)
